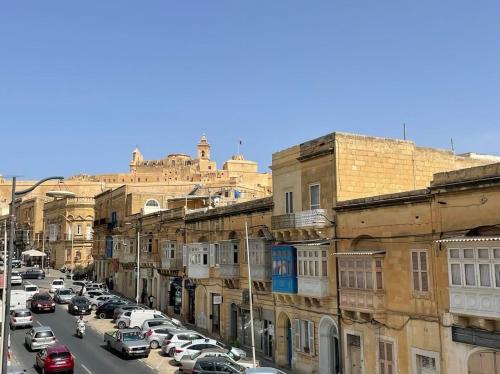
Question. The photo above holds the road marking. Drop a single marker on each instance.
(86, 369)
(39, 324)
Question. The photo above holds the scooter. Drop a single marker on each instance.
(80, 330)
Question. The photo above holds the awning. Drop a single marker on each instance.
(360, 253)
(463, 239)
(306, 246)
(33, 253)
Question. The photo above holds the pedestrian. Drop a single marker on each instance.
(143, 297)
(151, 300)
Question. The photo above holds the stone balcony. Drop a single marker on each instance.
(365, 301)
(305, 219)
(229, 271)
(318, 287)
(472, 301)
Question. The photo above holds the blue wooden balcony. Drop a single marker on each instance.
(284, 268)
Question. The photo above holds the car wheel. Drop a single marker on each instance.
(146, 356)
(121, 325)
(154, 345)
(102, 315)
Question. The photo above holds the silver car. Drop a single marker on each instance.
(63, 295)
(20, 318)
(157, 334)
(39, 338)
(188, 362)
(16, 279)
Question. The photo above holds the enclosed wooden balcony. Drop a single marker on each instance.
(365, 301)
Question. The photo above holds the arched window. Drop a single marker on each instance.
(151, 205)
(202, 153)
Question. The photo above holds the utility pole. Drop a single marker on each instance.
(251, 295)
(138, 229)
(4, 272)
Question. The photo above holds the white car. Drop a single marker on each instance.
(57, 284)
(16, 279)
(31, 289)
(177, 339)
(194, 346)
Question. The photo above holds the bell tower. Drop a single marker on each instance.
(137, 158)
(203, 149)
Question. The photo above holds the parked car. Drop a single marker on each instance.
(99, 286)
(137, 317)
(157, 334)
(128, 342)
(56, 284)
(33, 274)
(39, 338)
(20, 318)
(106, 310)
(16, 279)
(198, 345)
(63, 295)
(77, 285)
(147, 324)
(30, 290)
(55, 359)
(79, 305)
(42, 302)
(69, 274)
(177, 339)
(264, 370)
(16, 264)
(215, 365)
(99, 300)
(187, 362)
(128, 307)
(94, 293)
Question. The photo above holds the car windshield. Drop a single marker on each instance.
(131, 336)
(44, 297)
(15, 274)
(59, 355)
(80, 300)
(31, 288)
(65, 292)
(44, 334)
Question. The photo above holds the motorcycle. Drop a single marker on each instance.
(80, 330)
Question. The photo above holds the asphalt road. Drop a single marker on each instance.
(91, 357)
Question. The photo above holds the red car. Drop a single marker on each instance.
(43, 302)
(55, 359)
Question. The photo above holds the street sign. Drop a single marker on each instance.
(217, 300)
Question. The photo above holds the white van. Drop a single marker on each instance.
(137, 317)
(18, 299)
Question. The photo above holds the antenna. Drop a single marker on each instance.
(404, 131)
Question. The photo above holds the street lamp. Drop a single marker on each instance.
(7, 286)
(138, 228)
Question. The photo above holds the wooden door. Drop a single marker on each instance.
(355, 359)
(484, 363)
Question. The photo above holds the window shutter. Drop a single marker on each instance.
(310, 326)
(212, 255)
(297, 335)
(185, 254)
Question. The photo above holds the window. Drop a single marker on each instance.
(314, 196)
(79, 229)
(88, 232)
(152, 203)
(288, 202)
(425, 362)
(304, 336)
(229, 252)
(205, 258)
(385, 356)
(474, 267)
(312, 263)
(419, 271)
(359, 273)
(283, 261)
(169, 250)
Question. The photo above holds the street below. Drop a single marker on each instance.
(91, 356)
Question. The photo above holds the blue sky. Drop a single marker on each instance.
(83, 82)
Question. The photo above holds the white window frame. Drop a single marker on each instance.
(301, 337)
(317, 206)
(422, 352)
(315, 256)
(419, 270)
(492, 261)
(169, 248)
(390, 340)
(289, 202)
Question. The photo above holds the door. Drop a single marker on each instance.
(215, 313)
(486, 362)
(289, 343)
(354, 353)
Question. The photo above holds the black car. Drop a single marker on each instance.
(79, 305)
(33, 274)
(214, 365)
(107, 310)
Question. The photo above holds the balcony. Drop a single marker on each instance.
(171, 263)
(365, 301)
(127, 257)
(307, 218)
(229, 271)
(285, 283)
(480, 302)
(318, 287)
(260, 272)
(198, 271)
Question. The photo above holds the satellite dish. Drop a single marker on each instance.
(60, 194)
